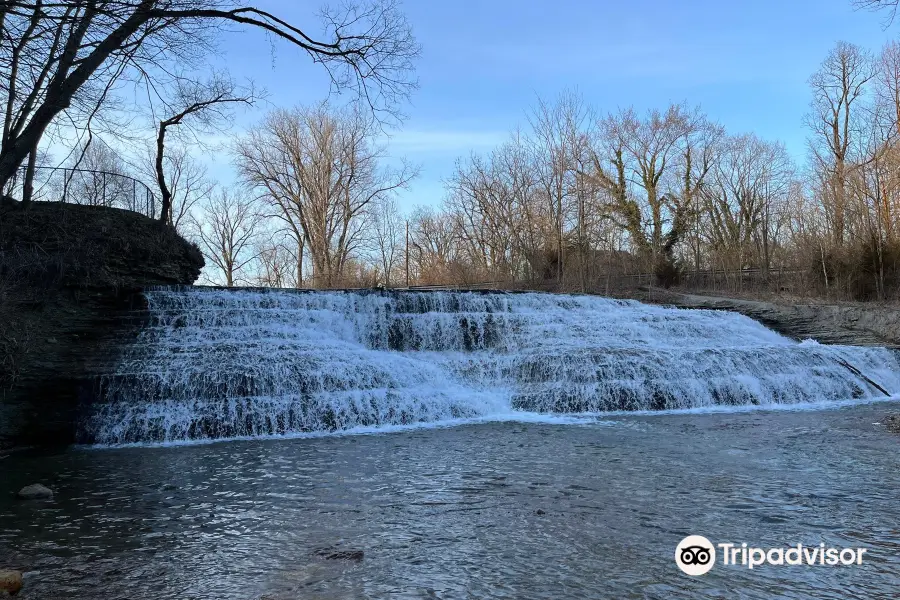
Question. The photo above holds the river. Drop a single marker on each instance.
(543, 508)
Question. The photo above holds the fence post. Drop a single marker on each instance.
(104, 189)
(65, 185)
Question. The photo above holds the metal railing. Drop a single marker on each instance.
(86, 186)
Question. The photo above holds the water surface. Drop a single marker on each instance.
(489, 510)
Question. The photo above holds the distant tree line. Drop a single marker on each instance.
(578, 200)
(573, 200)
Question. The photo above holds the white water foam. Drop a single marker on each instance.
(217, 364)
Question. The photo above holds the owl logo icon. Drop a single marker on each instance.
(695, 555)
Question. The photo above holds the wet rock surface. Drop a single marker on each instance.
(10, 582)
(892, 423)
(852, 324)
(35, 491)
(337, 553)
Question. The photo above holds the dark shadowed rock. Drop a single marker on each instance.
(891, 423)
(69, 277)
(35, 491)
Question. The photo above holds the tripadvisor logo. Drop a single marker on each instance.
(696, 555)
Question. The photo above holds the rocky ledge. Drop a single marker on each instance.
(68, 277)
(851, 323)
(892, 423)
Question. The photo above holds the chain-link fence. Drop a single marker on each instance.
(85, 186)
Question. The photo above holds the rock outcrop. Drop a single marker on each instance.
(68, 279)
(891, 423)
(852, 324)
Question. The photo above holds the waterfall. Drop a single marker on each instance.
(243, 363)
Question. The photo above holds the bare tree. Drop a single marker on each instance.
(887, 85)
(52, 52)
(187, 180)
(642, 159)
(207, 105)
(838, 88)
(276, 260)
(321, 169)
(226, 229)
(37, 181)
(99, 176)
(746, 175)
(31, 46)
(388, 228)
(559, 144)
(698, 152)
(434, 247)
(888, 6)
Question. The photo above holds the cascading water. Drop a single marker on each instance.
(214, 363)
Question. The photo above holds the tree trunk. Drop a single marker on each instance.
(165, 214)
(28, 184)
(559, 245)
(300, 264)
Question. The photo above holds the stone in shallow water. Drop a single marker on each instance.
(339, 553)
(10, 582)
(892, 423)
(35, 491)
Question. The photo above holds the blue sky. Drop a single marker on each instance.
(483, 65)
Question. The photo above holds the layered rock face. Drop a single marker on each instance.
(68, 279)
(847, 323)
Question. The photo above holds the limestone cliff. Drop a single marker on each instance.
(68, 277)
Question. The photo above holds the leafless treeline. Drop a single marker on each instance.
(577, 200)
(580, 199)
(574, 200)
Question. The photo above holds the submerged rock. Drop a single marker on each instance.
(892, 423)
(339, 554)
(35, 491)
(10, 582)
